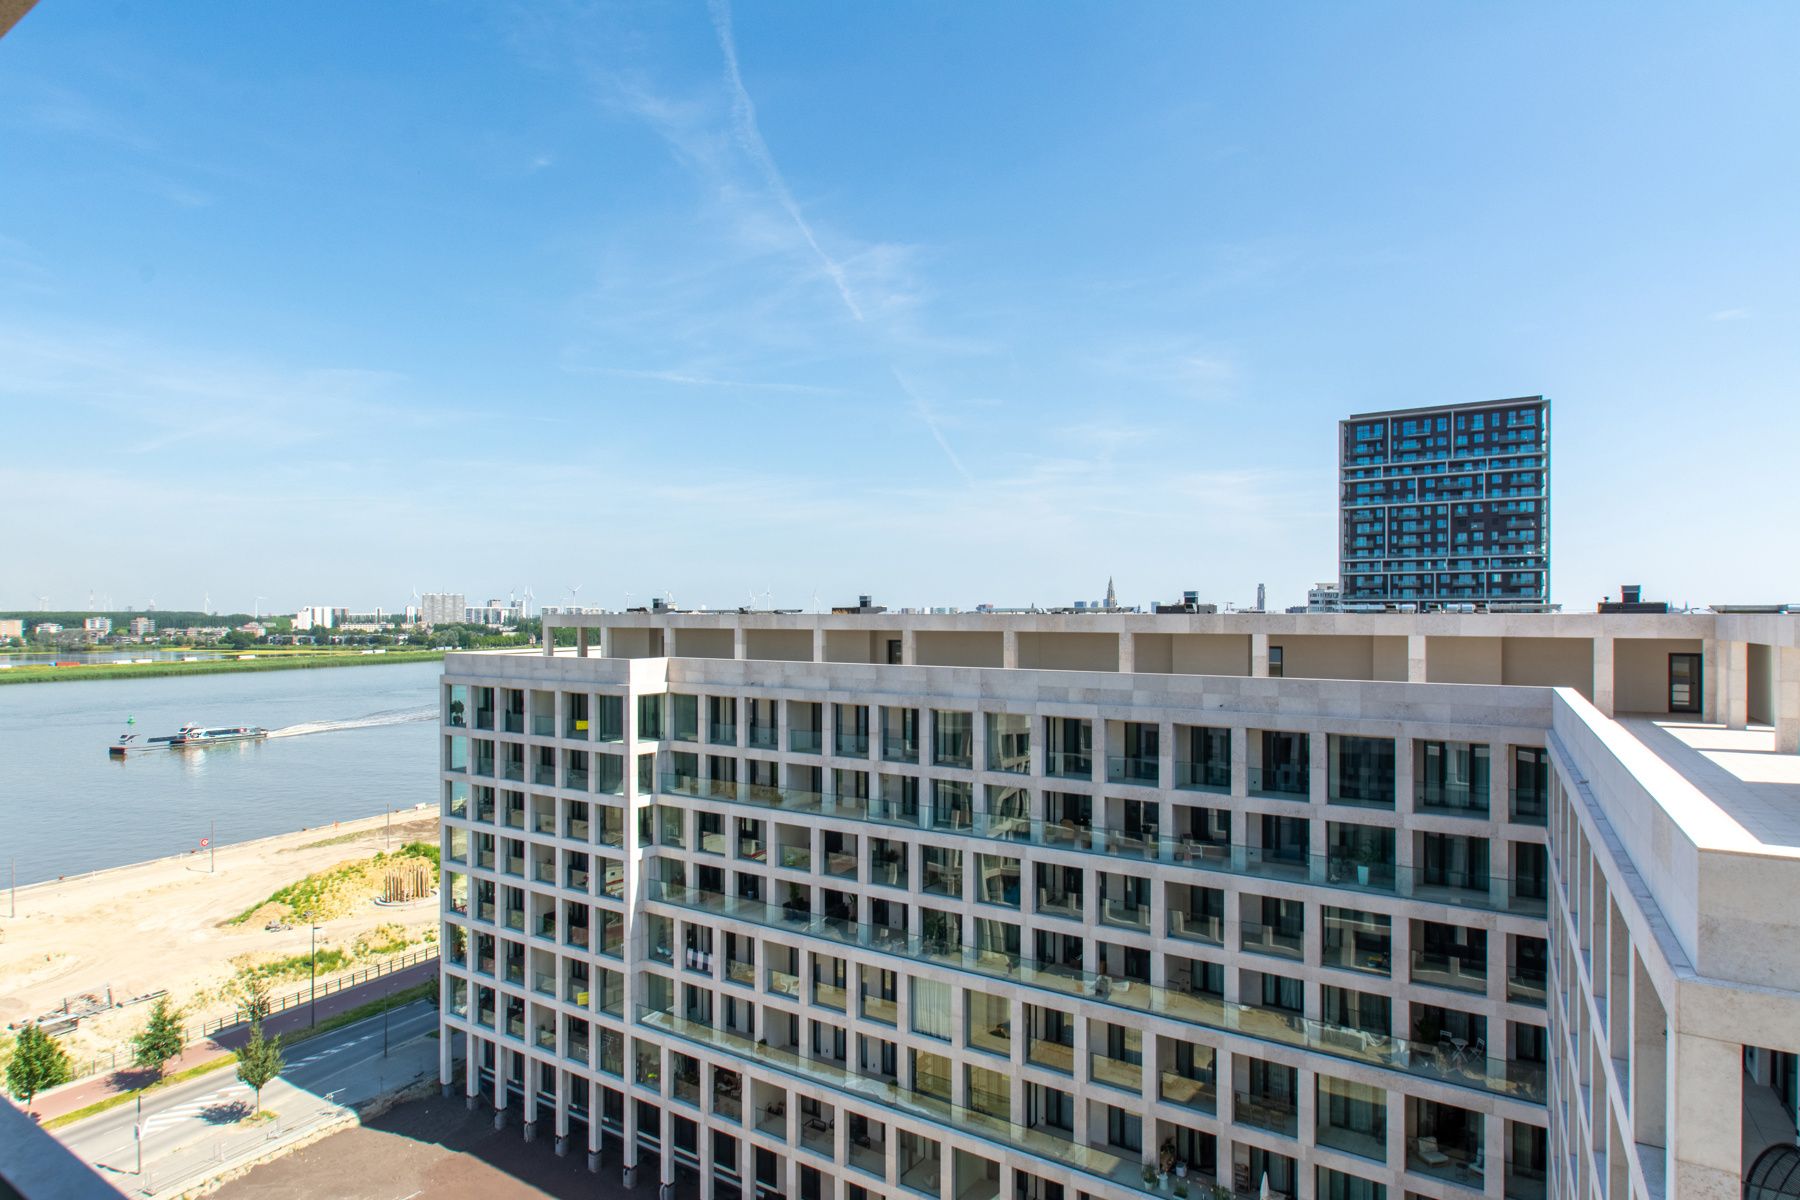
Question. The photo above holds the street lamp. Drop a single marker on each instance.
(313, 966)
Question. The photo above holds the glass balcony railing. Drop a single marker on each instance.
(543, 726)
(849, 744)
(805, 741)
(1333, 871)
(1263, 1110)
(1001, 1133)
(1460, 972)
(1138, 771)
(1068, 764)
(1452, 799)
(1288, 782)
(1530, 806)
(899, 749)
(1199, 1094)
(722, 733)
(513, 722)
(761, 737)
(1203, 776)
(1398, 1054)
(1258, 938)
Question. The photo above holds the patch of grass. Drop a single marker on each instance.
(383, 939)
(428, 850)
(296, 965)
(212, 666)
(339, 840)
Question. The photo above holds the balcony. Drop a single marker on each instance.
(1285, 782)
(1221, 857)
(924, 1173)
(1476, 1072)
(761, 737)
(806, 741)
(1274, 940)
(850, 744)
(1203, 777)
(1198, 1091)
(1267, 1110)
(1530, 806)
(722, 733)
(1067, 764)
(897, 748)
(1134, 770)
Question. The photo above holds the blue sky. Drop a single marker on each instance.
(944, 303)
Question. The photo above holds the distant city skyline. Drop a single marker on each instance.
(943, 305)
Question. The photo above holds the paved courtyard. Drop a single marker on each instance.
(435, 1149)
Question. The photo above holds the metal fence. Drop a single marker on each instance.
(121, 1056)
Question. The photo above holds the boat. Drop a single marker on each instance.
(187, 737)
(194, 735)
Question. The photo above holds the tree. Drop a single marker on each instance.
(259, 1061)
(37, 1063)
(251, 991)
(160, 1040)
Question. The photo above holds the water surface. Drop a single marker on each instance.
(349, 742)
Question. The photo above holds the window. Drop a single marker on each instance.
(1275, 663)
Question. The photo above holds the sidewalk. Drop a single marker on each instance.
(84, 1092)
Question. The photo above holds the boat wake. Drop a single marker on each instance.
(392, 716)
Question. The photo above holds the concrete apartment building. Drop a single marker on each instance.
(1371, 906)
(442, 608)
(1446, 506)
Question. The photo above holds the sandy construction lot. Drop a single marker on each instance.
(157, 925)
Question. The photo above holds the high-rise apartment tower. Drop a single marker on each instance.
(1447, 506)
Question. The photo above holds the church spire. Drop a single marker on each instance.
(1112, 599)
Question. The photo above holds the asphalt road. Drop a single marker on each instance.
(199, 1125)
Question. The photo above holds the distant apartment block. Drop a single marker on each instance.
(442, 608)
(96, 626)
(1446, 506)
(12, 627)
(495, 613)
(315, 615)
(142, 626)
(1033, 907)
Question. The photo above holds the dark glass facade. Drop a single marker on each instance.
(1446, 506)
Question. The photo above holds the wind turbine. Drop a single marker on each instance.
(574, 592)
(256, 608)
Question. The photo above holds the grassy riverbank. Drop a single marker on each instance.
(264, 661)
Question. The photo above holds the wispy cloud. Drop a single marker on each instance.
(688, 378)
(1730, 314)
(743, 119)
(925, 413)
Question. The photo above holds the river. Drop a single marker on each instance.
(345, 742)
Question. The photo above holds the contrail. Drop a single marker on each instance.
(743, 116)
(925, 414)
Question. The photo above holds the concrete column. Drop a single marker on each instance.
(628, 1152)
(581, 641)
(1240, 767)
(1708, 1149)
(818, 650)
(1415, 658)
(1127, 653)
(740, 643)
(1318, 751)
(1709, 679)
(1785, 661)
(1405, 780)
(1259, 655)
(446, 1051)
(1009, 649)
(1603, 673)
(909, 646)
(705, 1153)
(1734, 684)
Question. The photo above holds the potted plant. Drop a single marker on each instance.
(1181, 1188)
(1364, 857)
(1149, 1175)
